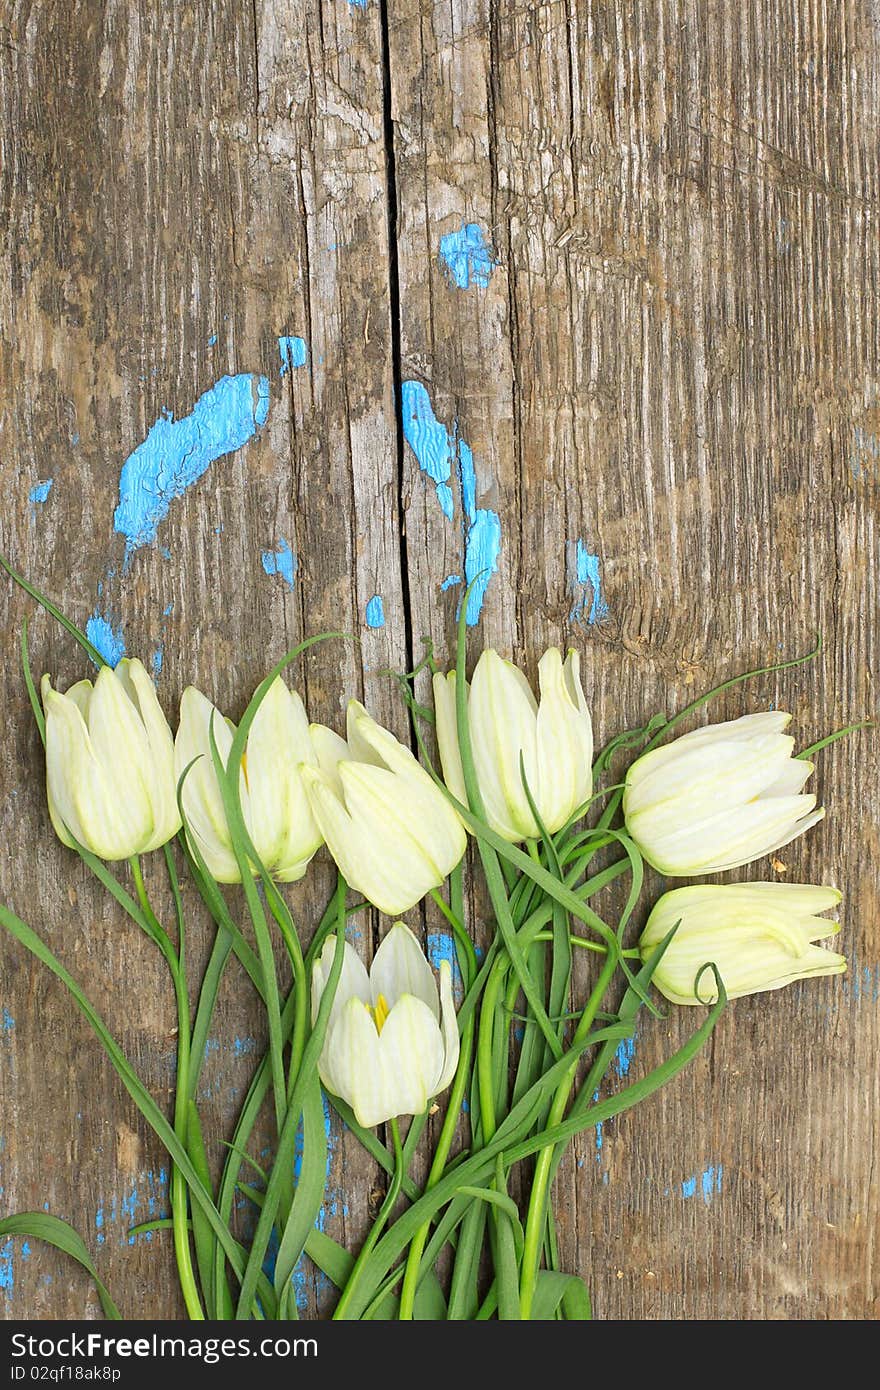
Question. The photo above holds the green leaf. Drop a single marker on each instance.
(39, 1225)
(310, 1186)
(91, 652)
(566, 1291)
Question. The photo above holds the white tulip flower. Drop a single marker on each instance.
(110, 763)
(273, 801)
(390, 829)
(759, 935)
(553, 737)
(391, 1044)
(719, 797)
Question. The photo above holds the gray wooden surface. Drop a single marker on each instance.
(662, 353)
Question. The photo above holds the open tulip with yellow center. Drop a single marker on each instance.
(273, 801)
(110, 763)
(391, 1044)
(719, 797)
(760, 936)
(550, 740)
(390, 829)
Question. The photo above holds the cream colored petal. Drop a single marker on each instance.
(354, 982)
(411, 1056)
(447, 735)
(748, 726)
(503, 728)
(791, 779)
(280, 821)
(330, 750)
(564, 744)
(159, 772)
(219, 859)
(350, 1065)
(401, 967)
(111, 817)
(710, 775)
(678, 846)
(81, 695)
(120, 743)
(449, 1029)
(202, 801)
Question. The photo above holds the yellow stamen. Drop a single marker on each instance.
(380, 1013)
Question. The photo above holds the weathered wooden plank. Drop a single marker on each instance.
(193, 198)
(665, 381)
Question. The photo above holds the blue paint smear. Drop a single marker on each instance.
(587, 575)
(600, 1138)
(710, 1182)
(467, 256)
(8, 1022)
(242, 1047)
(108, 640)
(689, 1187)
(862, 982)
(429, 440)
(212, 340)
(293, 353)
(624, 1055)
(134, 1207)
(439, 947)
(481, 559)
(176, 453)
(449, 581)
(282, 562)
(358, 4)
(157, 660)
(40, 492)
(468, 476)
(7, 1277)
(375, 613)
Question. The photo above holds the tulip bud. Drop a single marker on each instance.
(512, 733)
(759, 935)
(390, 1044)
(390, 829)
(273, 801)
(719, 797)
(110, 764)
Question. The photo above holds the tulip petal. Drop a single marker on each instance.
(411, 1056)
(400, 967)
(350, 1065)
(449, 1028)
(280, 820)
(709, 775)
(447, 735)
(503, 724)
(354, 982)
(159, 766)
(202, 800)
(329, 749)
(564, 740)
(725, 840)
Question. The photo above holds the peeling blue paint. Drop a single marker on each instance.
(481, 559)
(710, 1183)
(449, 581)
(624, 1055)
(6, 1020)
(467, 257)
(7, 1275)
(176, 453)
(281, 561)
(145, 1200)
(243, 1047)
(293, 353)
(375, 613)
(440, 946)
(40, 492)
(587, 576)
(429, 440)
(212, 340)
(108, 639)
(156, 661)
(861, 982)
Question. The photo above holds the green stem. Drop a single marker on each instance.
(441, 1154)
(377, 1227)
(179, 1192)
(536, 1217)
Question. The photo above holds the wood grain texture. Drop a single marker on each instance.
(673, 361)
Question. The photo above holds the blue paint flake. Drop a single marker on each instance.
(108, 639)
(481, 559)
(281, 561)
(176, 453)
(428, 439)
(375, 613)
(40, 492)
(293, 353)
(624, 1055)
(242, 1047)
(449, 581)
(6, 1020)
(7, 1277)
(146, 1200)
(212, 340)
(156, 662)
(710, 1183)
(468, 257)
(587, 577)
(441, 947)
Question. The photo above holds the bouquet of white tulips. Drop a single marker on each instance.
(518, 1070)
